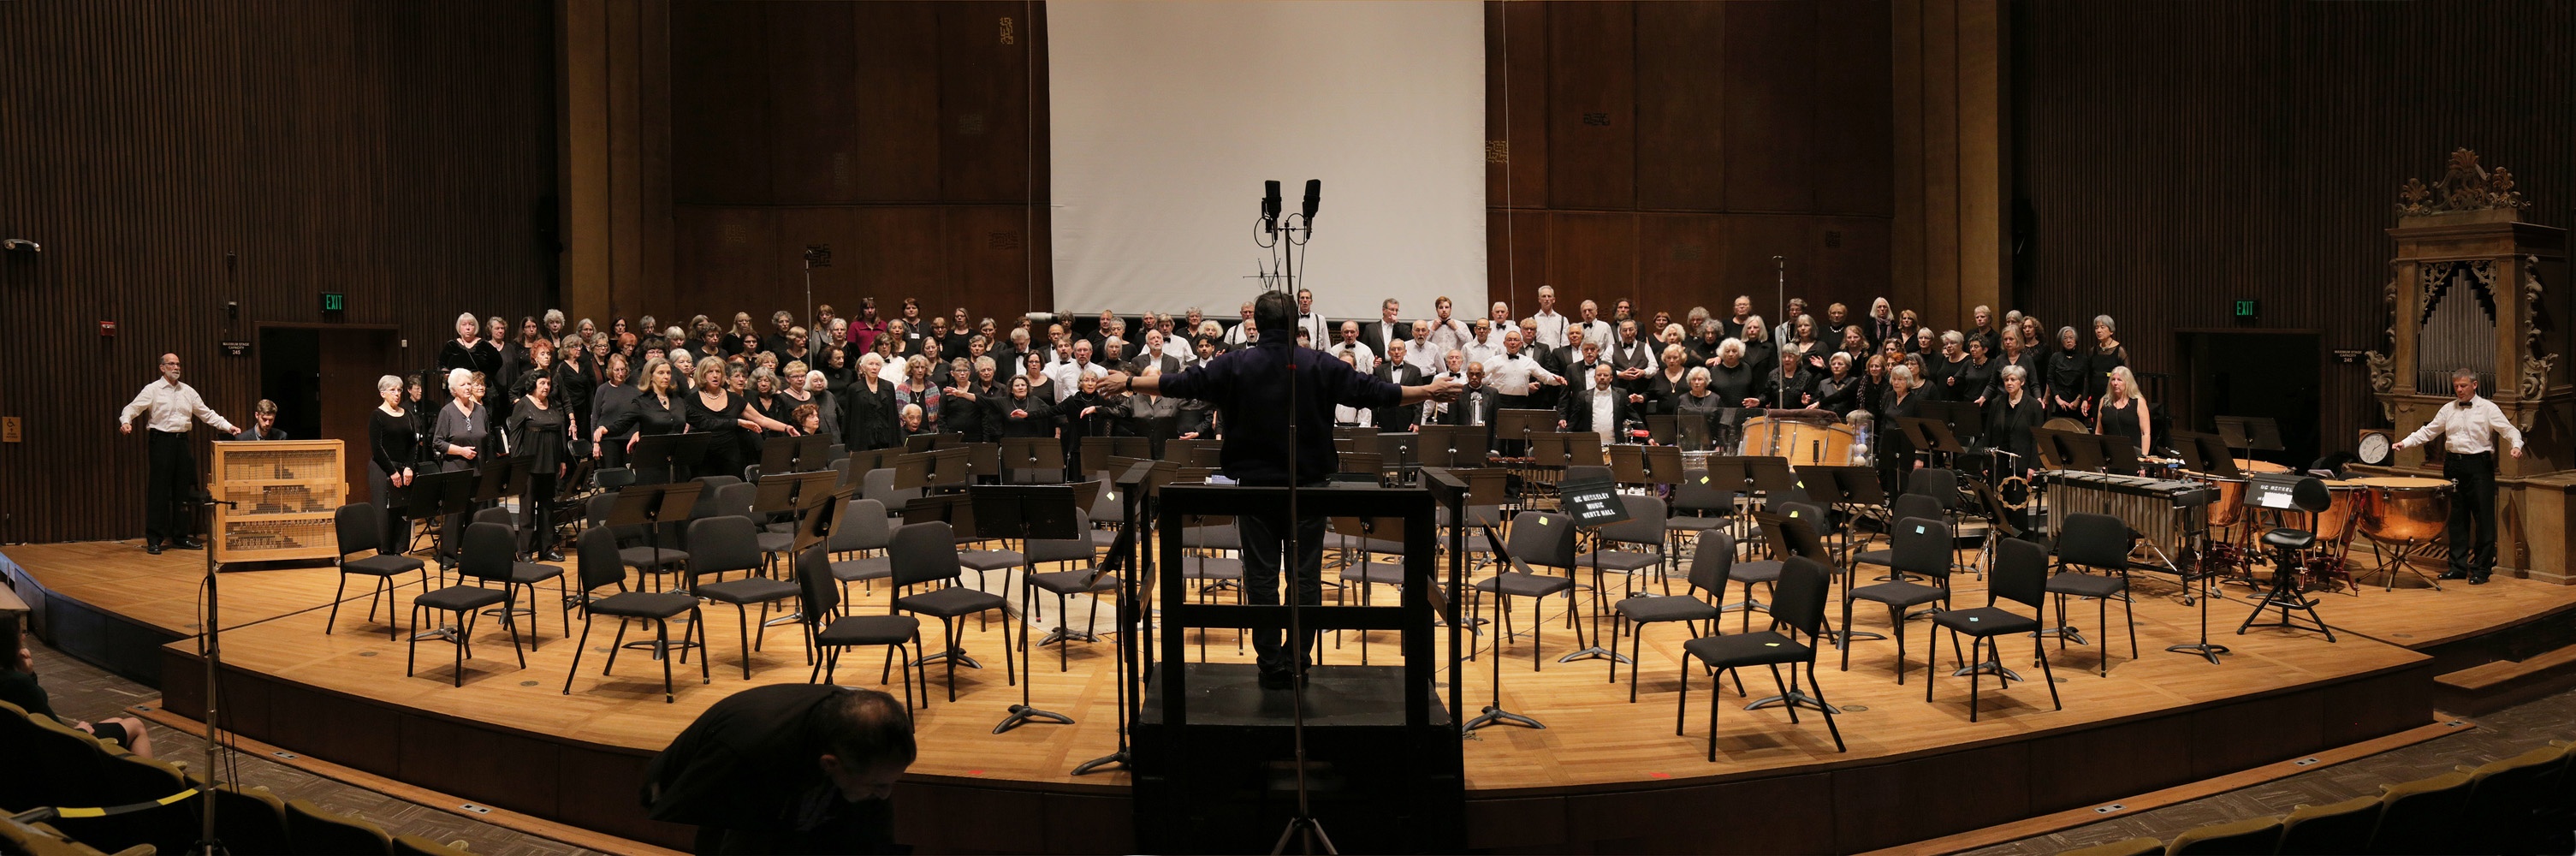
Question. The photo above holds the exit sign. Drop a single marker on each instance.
(2248, 308)
(333, 301)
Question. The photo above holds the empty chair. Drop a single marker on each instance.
(864, 528)
(2422, 816)
(320, 832)
(1767, 571)
(487, 550)
(1703, 587)
(725, 543)
(1908, 505)
(2256, 835)
(1799, 607)
(639, 547)
(739, 499)
(926, 553)
(2020, 575)
(251, 820)
(2329, 830)
(2094, 541)
(1922, 546)
(1698, 506)
(1082, 578)
(357, 526)
(1536, 539)
(829, 629)
(878, 484)
(126, 780)
(596, 555)
(1643, 528)
(2504, 794)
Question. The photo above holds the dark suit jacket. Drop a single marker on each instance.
(1577, 411)
(1369, 333)
(1403, 416)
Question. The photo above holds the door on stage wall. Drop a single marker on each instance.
(2250, 373)
(324, 382)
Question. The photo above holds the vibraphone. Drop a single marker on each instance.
(2167, 513)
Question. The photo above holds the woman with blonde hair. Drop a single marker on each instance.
(719, 411)
(919, 388)
(1895, 453)
(2123, 412)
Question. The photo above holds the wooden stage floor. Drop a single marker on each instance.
(1596, 742)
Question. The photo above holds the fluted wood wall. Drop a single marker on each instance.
(402, 154)
(2177, 157)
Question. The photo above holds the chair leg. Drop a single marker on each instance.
(411, 652)
(698, 625)
(575, 668)
(2129, 608)
(2102, 619)
(383, 587)
(661, 637)
(744, 612)
(948, 630)
(2041, 651)
(1932, 664)
(1792, 707)
(1636, 649)
(1818, 685)
(510, 620)
(614, 646)
(1975, 671)
(1896, 628)
(1681, 703)
(335, 606)
(1712, 717)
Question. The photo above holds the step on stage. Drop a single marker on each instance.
(1605, 775)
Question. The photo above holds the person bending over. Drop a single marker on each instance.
(787, 768)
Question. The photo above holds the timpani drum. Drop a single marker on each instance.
(2337, 523)
(2404, 509)
(1803, 443)
(2229, 504)
(2250, 466)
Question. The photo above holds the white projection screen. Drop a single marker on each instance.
(1167, 116)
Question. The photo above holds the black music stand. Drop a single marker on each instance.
(792, 494)
(669, 453)
(1031, 453)
(2207, 454)
(1661, 427)
(1663, 465)
(1044, 512)
(984, 459)
(2083, 452)
(1098, 449)
(2250, 433)
(918, 443)
(1592, 504)
(1128, 552)
(1515, 426)
(1583, 449)
(1628, 463)
(1494, 714)
(951, 466)
(1438, 444)
(912, 471)
(780, 454)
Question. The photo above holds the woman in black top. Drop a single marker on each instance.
(1735, 381)
(608, 404)
(542, 432)
(2124, 410)
(1025, 414)
(961, 411)
(540, 363)
(835, 366)
(658, 408)
(1792, 386)
(393, 442)
(1759, 351)
(2014, 354)
(2108, 354)
(1664, 390)
(868, 416)
(1978, 372)
(2067, 392)
(2010, 417)
(1895, 453)
(766, 399)
(1944, 369)
(459, 353)
(1838, 389)
(717, 410)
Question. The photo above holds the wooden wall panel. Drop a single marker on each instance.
(255, 153)
(1751, 130)
(2254, 150)
(901, 134)
(1591, 104)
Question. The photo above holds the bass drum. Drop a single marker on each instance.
(1803, 443)
(2251, 466)
(2403, 509)
(2064, 423)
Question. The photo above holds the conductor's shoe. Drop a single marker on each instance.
(2455, 575)
(2477, 579)
(187, 544)
(152, 547)
(1280, 680)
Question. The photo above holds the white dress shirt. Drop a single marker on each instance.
(1314, 324)
(1551, 327)
(1494, 335)
(2467, 430)
(1423, 358)
(1365, 359)
(1605, 414)
(1477, 352)
(1597, 330)
(1234, 335)
(1516, 374)
(172, 406)
(1068, 377)
(1178, 348)
(1451, 336)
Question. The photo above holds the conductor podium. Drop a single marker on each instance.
(1216, 755)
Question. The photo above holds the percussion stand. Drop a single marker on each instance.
(2401, 556)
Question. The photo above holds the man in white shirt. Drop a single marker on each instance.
(1500, 321)
(1235, 338)
(1635, 358)
(1349, 346)
(1593, 327)
(2468, 427)
(1514, 374)
(1309, 319)
(169, 408)
(1476, 349)
(1385, 330)
(1551, 323)
(1420, 352)
(1175, 343)
(1067, 375)
(1448, 333)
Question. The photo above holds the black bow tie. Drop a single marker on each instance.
(2463, 405)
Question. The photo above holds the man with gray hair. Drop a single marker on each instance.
(2468, 428)
(167, 408)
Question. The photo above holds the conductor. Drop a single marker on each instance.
(1249, 388)
(167, 408)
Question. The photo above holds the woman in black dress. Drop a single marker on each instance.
(542, 431)
(961, 410)
(607, 405)
(1838, 389)
(868, 414)
(1664, 390)
(2108, 354)
(657, 408)
(1978, 372)
(1759, 351)
(1024, 414)
(2067, 392)
(1944, 368)
(2014, 354)
(716, 410)
(393, 441)
(458, 353)
(2124, 410)
(1895, 453)
(1736, 382)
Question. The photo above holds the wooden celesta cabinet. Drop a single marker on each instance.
(284, 493)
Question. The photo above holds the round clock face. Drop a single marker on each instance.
(2374, 449)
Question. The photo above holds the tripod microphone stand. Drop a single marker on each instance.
(211, 645)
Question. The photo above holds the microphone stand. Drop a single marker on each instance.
(210, 646)
(1303, 827)
(1780, 265)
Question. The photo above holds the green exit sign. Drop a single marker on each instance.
(2248, 308)
(333, 301)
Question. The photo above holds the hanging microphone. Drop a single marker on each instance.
(1270, 206)
(1314, 195)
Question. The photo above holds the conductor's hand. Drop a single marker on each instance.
(2517, 451)
(125, 427)
(1113, 383)
(1444, 388)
